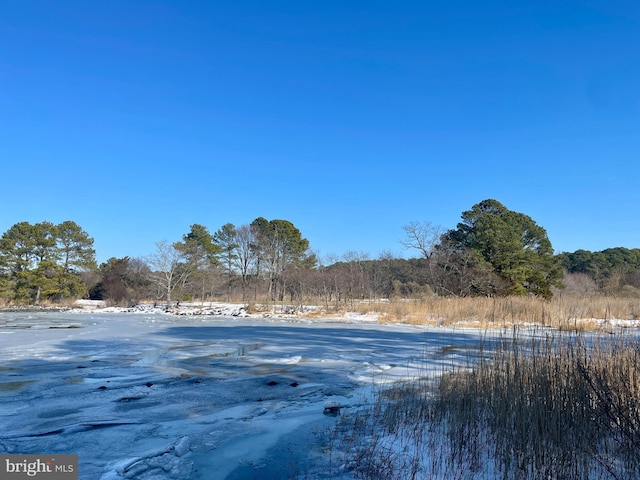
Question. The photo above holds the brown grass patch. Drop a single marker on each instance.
(576, 313)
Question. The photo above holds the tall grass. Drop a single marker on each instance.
(562, 407)
(576, 312)
(550, 409)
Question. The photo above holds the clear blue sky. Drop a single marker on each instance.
(348, 118)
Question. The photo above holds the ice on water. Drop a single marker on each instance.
(156, 396)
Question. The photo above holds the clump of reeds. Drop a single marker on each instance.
(550, 409)
(561, 407)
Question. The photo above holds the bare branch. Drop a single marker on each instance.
(422, 236)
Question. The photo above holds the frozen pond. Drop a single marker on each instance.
(152, 396)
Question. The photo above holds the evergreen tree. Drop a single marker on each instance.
(279, 245)
(76, 254)
(226, 240)
(198, 258)
(43, 261)
(517, 249)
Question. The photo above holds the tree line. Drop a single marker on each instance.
(493, 251)
(613, 270)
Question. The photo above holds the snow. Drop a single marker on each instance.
(152, 395)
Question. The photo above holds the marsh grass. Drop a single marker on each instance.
(555, 407)
(573, 313)
(549, 409)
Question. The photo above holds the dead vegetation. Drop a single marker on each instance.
(574, 313)
(562, 406)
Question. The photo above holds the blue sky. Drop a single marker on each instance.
(348, 118)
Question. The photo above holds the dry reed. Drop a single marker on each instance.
(577, 313)
(564, 407)
(549, 409)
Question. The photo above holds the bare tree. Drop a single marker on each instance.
(245, 255)
(168, 270)
(329, 279)
(358, 287)
(579, 283)
(423, 236)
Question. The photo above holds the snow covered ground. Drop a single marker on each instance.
(158, 396)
